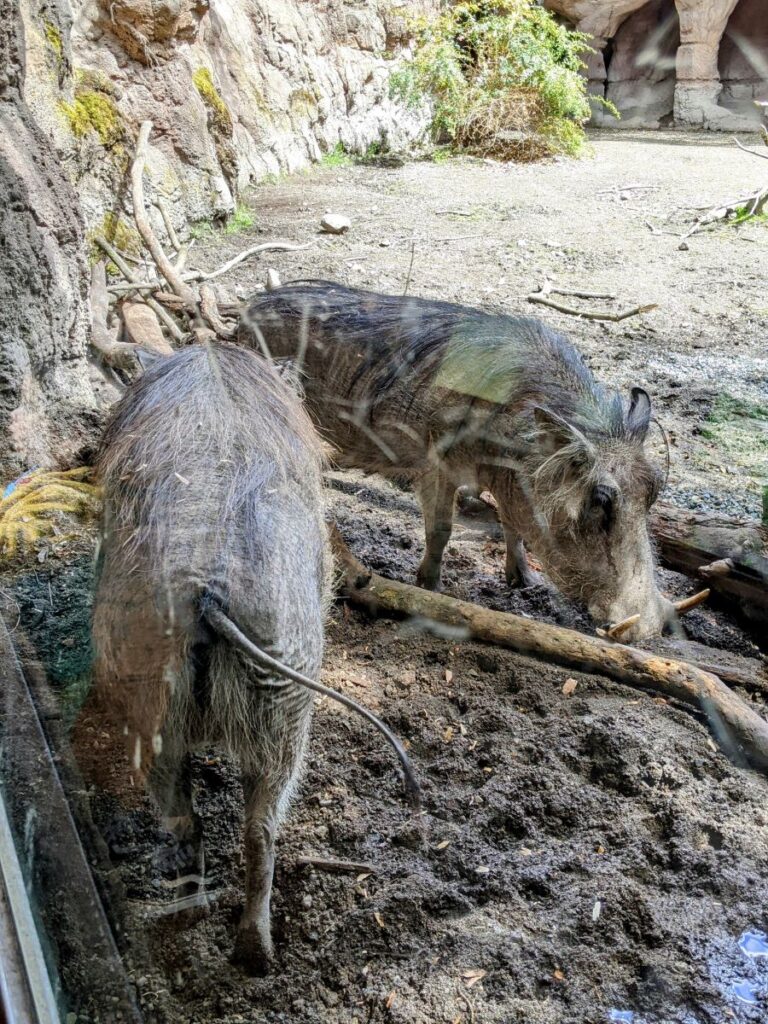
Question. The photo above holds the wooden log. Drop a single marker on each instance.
(163, 264)
(739, 730)
(143, 328)
(113, 352)
(694, 543)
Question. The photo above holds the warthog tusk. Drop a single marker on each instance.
(615, 631)
(681, 607)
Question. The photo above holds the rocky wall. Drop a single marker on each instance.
(236, 90)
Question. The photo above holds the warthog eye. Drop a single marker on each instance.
(602, 506)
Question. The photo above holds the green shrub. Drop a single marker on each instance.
(336, 157)
(240, 220)
(504, 79)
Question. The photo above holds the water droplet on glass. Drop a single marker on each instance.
(745, 991)
(754, 943)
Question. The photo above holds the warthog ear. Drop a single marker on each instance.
(639, 415)
(147, 358)
(555, 433)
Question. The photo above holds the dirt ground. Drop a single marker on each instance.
(581, 858)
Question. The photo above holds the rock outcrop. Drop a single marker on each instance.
(701, 63)
(48, 410)
(236, 90)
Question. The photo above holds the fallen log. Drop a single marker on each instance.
(730, 554)
(115, 353)
(739, 730)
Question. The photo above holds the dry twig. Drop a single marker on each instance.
(336, 866)
(754, 152)
(201, 275)
(541, 297)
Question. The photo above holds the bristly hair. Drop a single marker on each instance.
(188, 439)
(513, 361)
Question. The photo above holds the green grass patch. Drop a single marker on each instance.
(201, 229)
(240, 220)
(337, 157)
(739, 430)
(743, 215)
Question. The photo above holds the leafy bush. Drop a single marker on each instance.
(503, 78)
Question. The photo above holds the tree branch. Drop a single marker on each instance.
(144, 228)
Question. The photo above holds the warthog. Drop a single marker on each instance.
(213, 588)
(447, 395)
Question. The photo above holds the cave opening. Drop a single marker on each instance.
(743, 59)
(640, 64)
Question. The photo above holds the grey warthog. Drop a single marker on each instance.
(213, 506)
(446, 396)
(212, 593)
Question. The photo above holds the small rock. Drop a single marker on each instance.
(306, 901)
(335, 223)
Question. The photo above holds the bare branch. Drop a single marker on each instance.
(144, 228)
(591, 314)
(201, 275)
(209, 309)
(171, 230)
(127, 273)
(746, 149)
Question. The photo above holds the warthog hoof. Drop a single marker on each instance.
(428, 578)
(253, 949)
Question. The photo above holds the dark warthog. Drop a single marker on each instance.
(446, 395)
(213, 506)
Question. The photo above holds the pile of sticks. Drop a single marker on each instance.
(170, 306)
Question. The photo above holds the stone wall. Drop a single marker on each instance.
(236, 90)
(699, 63)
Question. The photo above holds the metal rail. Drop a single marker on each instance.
(77, 935)
(25, 987)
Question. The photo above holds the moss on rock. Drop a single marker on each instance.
(94, 111)
(122, 235)
(54, 40)
(222, 119)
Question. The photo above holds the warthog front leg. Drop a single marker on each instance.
(517, 571)
(436, 493)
